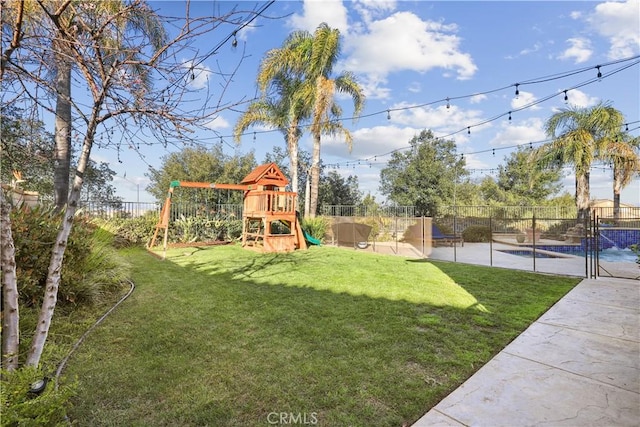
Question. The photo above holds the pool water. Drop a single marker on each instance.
(614, 255)
(527, 254)
(608, 255)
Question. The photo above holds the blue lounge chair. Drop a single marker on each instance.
(438, 238)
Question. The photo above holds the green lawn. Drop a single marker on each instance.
(225, 336)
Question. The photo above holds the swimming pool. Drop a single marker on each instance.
(528, 254)
(614, 255)
(608, 255)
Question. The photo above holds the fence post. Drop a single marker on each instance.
(533, 226)
(422, 234)
(396, 232)
(490, 242)
(455, 226)
(585, 225)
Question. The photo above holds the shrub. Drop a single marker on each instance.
(90, 268)
(21, 407)
(134, 231)
(477, 233)
(315, 227)
(445, 228)
(234, 229)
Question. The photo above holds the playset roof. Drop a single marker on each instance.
(267, 174)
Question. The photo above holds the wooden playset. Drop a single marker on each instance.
(269, 221)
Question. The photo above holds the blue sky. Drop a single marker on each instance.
(410, 53)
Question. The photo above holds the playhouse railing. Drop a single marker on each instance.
(270, 201)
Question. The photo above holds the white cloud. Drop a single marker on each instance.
(374, 87)
(378, 45)
(243, 34)
(315, 12)
(370, 9)
(580, 99)
(619, 22)
(439, 119)
(476, 99)
(472, 162)
(524, 98)
(218, 123)
(403, 41)
(415, 87)
(369, 142)
(197, 76)
(523, 132)
(579, 50)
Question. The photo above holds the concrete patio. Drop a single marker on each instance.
(577, 365)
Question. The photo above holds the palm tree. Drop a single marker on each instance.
(280, 112)
(579, 136)
(622, 152)
(311, 58)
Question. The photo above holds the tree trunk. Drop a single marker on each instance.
(10, 309)
(315, 176)
(292, 143)
(57, 257)
(307, 194)
(617, 188)
(582, 195)
(62, 161)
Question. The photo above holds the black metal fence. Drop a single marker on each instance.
(535, 238)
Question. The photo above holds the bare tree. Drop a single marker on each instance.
(134, 73)
(11, 314)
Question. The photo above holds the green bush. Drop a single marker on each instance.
(444, 228)
(90, 268)
(134, 231)
(204, 229)
(234, 229)
(315, 227)
(22, 408)
(477, 233)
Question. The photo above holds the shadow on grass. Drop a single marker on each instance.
(227, 336)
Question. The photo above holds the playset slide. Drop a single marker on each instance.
(310, 239)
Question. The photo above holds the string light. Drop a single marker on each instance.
(254, 137)
(517, 90)
(555, 77)
(599, 73)
(234, 43)
(558, 76)
(448, 105)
